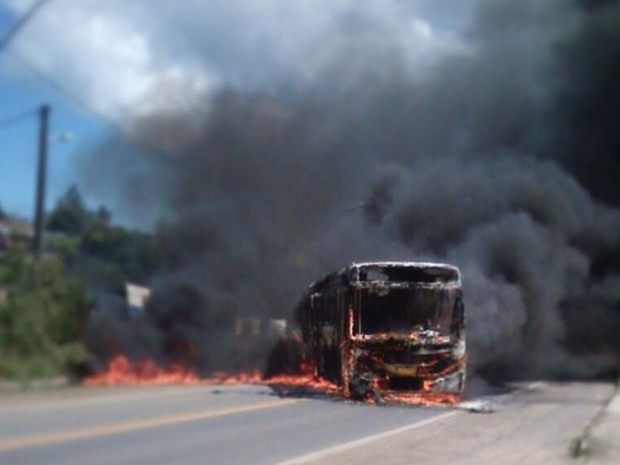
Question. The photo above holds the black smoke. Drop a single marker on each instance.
(587, 106)
(500, 159)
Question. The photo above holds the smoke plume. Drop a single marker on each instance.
(499, 158)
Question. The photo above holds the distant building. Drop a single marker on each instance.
(253, 327)
(13, 226)
(137, 298)
(14, 230)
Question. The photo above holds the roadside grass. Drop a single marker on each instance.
(42, 318)
(56, 363)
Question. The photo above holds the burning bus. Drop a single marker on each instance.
(387, 330)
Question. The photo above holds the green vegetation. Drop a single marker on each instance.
(580, 448)
(70, 215)
(104, 255)
(44, 306)
(42, 318)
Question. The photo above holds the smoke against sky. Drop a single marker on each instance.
(111, 52)
(296, 139)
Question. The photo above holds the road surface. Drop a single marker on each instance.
(250, 425)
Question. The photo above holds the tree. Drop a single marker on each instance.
(103, 216)
(70, 216)
(135, 254)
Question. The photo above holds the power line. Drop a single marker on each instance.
(12, 120)
(21, 22)
(63, 90)
(82, 103)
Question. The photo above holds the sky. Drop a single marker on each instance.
(22, 93)
(117, 60)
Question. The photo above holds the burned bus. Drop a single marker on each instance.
(387, 329)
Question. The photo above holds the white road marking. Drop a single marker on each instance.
(368, 439)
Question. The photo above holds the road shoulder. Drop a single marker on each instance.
(534, 425)
(600, 445)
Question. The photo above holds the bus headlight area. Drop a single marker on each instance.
(454, 382)
(392, 368)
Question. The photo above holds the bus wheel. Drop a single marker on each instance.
(359, 388)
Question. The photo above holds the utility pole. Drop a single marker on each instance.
(39, 212)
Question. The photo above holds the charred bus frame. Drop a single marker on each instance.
(387, 328)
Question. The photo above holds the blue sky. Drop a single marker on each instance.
(20, 92)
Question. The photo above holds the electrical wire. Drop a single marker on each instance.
(63, 90)
(12, 120)
(20, 23)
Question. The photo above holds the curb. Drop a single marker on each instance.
(581, 446)
(8, 386)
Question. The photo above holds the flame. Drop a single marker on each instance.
(122, 371)
(224, 378)
(429, 399)
(306, 381)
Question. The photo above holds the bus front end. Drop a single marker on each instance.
(406, 333)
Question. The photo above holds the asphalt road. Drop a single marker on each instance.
(251, 425)
(184, 425)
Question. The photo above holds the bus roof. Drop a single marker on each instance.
(420, 265)
(394, 271)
